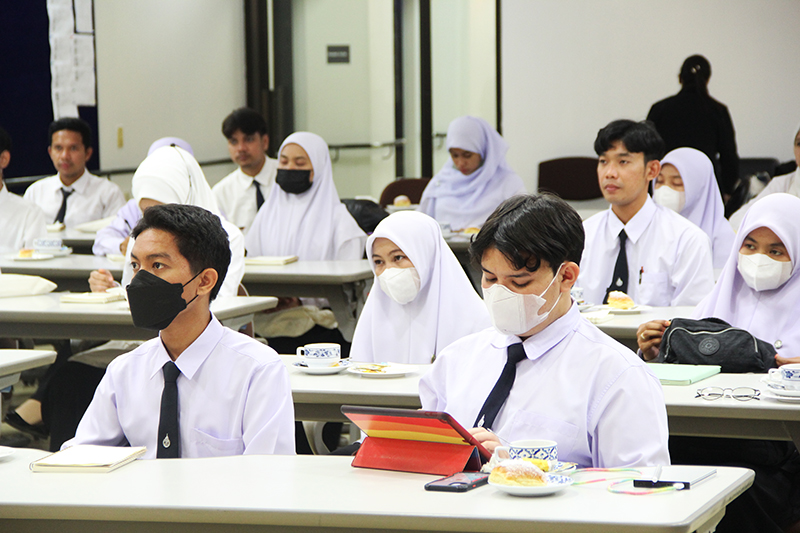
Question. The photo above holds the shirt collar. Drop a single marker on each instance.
(192, 357)
(539, 344)
(80, 184)
(636, 226)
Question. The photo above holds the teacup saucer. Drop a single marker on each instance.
(321, 370)
(777, 388)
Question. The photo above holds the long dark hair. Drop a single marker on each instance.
(695, 73)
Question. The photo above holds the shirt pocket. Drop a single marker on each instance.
(654, 289)
(530, 425)
(208, 446)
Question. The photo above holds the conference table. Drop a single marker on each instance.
(343, 283)
(46, 317)
(14, 362)
(623, 327)
(319, 398)
(81, 242)
(324, 493)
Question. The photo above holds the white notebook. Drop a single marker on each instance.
(91, 297)
(270, 260)
(88, 458)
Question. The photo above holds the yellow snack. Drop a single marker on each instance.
(402, 201)
(541, 463)
(518, 472)
(26, 252)
(471, 230)
(620, 300)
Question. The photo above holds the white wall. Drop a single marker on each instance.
(173, 68)
(571, 66)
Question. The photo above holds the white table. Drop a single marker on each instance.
(343, 283)
(316, 493)
(589, 208)
(625, 326)
(754, 419)
(81, 242)
(45, 317)
(14, 362)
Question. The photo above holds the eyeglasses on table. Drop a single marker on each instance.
(743, 394)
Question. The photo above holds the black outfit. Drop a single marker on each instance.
(698, 121)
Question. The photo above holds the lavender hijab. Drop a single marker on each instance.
(445, 309)
(467, 201)
(772, 315)
(703, 200)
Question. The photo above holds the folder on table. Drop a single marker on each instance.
(407, 440)
(88, 458)
(270, 260)
(677, 374)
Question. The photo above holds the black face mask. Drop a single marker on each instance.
(155, 302)
(293, 181)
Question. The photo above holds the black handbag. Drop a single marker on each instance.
(712, 341)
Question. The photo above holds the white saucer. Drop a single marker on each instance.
(771, 394)
(635, 310)
(55, 252)
(321, 370)
(34, 257)
(555, 483)
(381, 370)
(776, 388)
(5, 451)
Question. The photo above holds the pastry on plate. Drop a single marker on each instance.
(620, 300)
(518, 473)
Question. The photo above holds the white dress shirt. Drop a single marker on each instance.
(236, 193)
(234, 398)
(577, 386)
(669, 258)
(93, 198)
(20, 222)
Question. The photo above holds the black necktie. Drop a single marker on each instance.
(63, 211)
(619, 281)
(502, 388)
(169, 435)
(259, 196)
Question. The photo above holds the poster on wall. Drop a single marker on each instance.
(72, 62)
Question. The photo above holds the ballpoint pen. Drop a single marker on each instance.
(656, 474)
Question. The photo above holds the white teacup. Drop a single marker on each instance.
(545, 450)
(320, 354)
(787, 375)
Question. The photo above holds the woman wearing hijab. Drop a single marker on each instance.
(687, 185)
(421, 300)
(759, 291)
(788, 183)
(169, 174)
(693, 118)
(475, 180)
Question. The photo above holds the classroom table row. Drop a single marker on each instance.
(320, 398)
(343, 283)
(325, 493)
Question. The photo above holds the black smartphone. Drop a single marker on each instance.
(459, 482)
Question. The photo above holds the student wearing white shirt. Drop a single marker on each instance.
(243, 191)
(233, 393)
(668, 258)
(571, 383)
(74, 195)
(20, 221)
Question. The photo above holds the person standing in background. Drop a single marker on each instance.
(692, 118)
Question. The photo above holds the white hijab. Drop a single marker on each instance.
(703, 200)
(313, 225)
(446, 308)
(171, 175)
(772, 315)
(465, 201)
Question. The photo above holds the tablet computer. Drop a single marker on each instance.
(413, 425)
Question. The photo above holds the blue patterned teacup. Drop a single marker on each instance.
(787, 375)
(545, 450)
(320, 354)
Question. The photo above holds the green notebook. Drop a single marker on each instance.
(674, 374)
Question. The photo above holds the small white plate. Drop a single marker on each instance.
(321, 370)
(5, 451)
(777, 389)
(772, 395)
(34, 257)
(55, 252)
(555, 483)
(381, 370)
(635, 310)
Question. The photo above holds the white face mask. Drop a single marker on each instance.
(513, 313)
(400, 284)
(762, 273)
(670, 198)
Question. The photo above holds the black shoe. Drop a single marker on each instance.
(18, 423)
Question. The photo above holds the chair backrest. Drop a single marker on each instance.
(753, 165)
(572, 178)
(411, 187)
